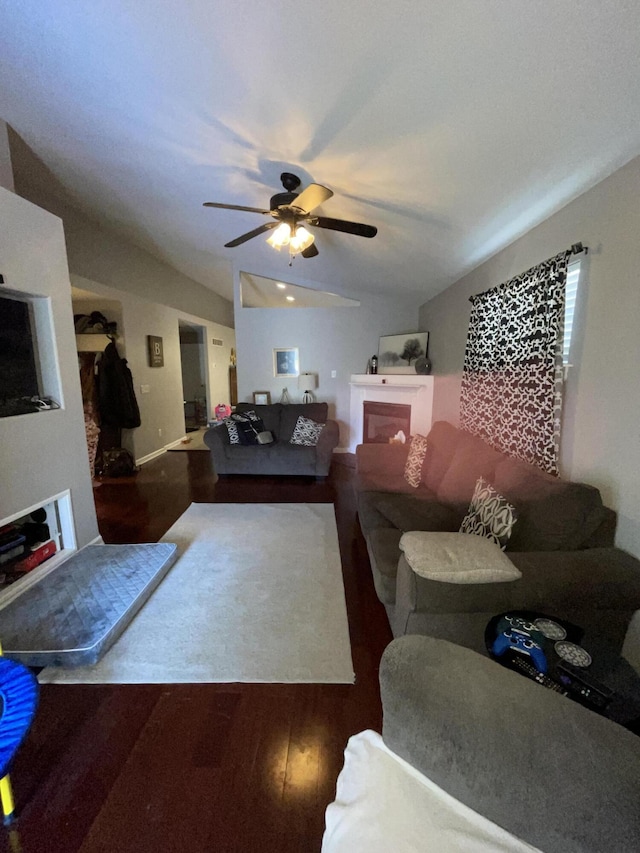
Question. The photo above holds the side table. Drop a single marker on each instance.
(586, 670)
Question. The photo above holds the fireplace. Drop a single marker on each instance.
(411, 390)
(381, 421)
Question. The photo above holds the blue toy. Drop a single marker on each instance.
(19, 694)
(520, 643)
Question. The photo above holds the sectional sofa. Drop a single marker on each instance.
(562, 542)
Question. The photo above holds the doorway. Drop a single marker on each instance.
(193, 362)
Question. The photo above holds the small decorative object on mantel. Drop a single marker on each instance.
(285, 399)
(399, 353)
(262, 398)
(373, 364)
(156, 355)
(422, 364)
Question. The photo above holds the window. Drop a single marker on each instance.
(573, 277)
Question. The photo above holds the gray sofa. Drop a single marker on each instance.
(546, 769)
(281, 457)
(562, 542)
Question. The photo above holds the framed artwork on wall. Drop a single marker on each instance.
(156, 355)
(403, 353)
(286, 362)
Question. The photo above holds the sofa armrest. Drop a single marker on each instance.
(328, 440)
(598, 589)
(215, 438)
(534, 762)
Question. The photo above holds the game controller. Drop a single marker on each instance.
(521, 643)
(524, 626)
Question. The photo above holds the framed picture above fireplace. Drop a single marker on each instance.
(402, 353)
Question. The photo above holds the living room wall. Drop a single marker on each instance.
(44, 453)
(340, 339)
(601, 437)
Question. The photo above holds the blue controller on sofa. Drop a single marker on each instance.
(520, 643)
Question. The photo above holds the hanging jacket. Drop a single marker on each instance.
(116, 398)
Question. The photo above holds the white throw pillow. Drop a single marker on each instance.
(457, 558)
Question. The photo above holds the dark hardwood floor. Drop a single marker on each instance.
(184, 768)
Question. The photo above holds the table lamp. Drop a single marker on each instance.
(307, 382)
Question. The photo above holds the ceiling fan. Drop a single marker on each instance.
(292, 211)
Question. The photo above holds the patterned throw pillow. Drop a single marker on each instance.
(490, 514)
(306, 432)
(413, 465)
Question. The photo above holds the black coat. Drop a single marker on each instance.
(116, 398)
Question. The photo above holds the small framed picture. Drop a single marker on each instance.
(156, 355)
(286, 362)
(262, 398)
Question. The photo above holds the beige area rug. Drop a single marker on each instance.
(192, 441)
(255, 596)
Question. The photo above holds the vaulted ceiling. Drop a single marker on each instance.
(453, 126)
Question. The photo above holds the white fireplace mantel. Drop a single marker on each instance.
(409, 389)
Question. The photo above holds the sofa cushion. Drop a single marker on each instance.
(413, 465)
(369, 514)
(553, 515)
(442, 441)
(407, 512)
(490, 515)
(306, 432)
(317, 412)
(385, 545)
(459, 558)
(472, 459)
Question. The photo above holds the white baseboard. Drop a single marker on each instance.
(341, 450)
(153, 455)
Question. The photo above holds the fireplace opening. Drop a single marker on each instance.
(383, 420)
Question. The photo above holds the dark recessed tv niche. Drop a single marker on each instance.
(22, 384)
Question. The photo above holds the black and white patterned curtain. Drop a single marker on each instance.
(513, 374)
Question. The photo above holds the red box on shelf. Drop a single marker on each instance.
(38, 555)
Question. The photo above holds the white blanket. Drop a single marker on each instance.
(383, 804)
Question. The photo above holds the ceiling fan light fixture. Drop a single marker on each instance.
(280, 236)
(300, 240)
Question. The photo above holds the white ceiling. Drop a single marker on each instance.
(451, 125)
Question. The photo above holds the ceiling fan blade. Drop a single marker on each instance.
(311, 197)
(310, 252)
(343, 225)
(235, 207)
(251, 234)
